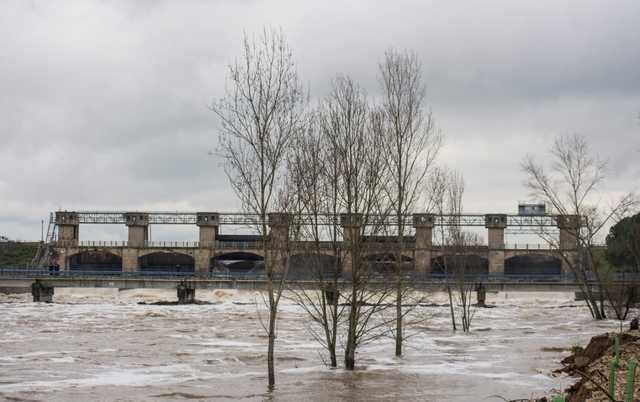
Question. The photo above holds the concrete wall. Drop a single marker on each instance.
(203, 256)
(496, 261)
(202, 259)
(422, 253)
(130, 262)
(207, 236)
(568, 242)
(278, 241)
(351, 226)
(68, 233)
(138, 235)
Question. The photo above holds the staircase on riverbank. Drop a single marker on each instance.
(45, 247)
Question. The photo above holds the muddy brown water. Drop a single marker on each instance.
(101, 345)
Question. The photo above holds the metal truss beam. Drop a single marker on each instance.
(245, 219)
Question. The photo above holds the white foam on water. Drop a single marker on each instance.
(172, 374)
(41, 353)
(225, 343)
(304, 370)
(66, 359)
(105, 339)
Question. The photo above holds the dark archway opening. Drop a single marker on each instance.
(469, 265)
(385, 263)
(166, 261)
(310, 266)
(532, 264)
(238, 263)
(97, 260)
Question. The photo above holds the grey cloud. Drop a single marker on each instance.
(104, 104)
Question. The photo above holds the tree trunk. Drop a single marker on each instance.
(332, 353)
(453, 313)
(273, 309)
(349, 358)
(350, 350)
(399, 217)
(272, 338)
(399, 318)
(334, 329)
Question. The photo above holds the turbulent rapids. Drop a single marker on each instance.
(101, 344)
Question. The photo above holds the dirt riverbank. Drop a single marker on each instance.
(592, 365)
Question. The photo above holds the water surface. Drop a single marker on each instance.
(100, 345)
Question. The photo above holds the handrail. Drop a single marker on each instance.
(256, 245)
(13, 273)
(251, 219)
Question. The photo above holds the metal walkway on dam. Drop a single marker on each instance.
(242, 253)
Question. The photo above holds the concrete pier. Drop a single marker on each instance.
(138, 224)
(351, 226)
(186, 292)
(496, 224)
(279, 240)
(569, 226)
(130, 262)
(423, 223)
(208, 223)
(68, 228)
(481, 295)
(331, 294)
(42, 293)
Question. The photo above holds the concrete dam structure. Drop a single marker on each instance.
(244, 253)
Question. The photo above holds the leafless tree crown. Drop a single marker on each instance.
(260, 113)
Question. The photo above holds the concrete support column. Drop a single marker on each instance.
(130, 259)
(568, 241)
(495, 224)
(351, 230)
(481, 295)
(68, 224)
(278, 240)
(186, 292)
(202, 259)
(138, 224)
(42, 293)
(208, 223)
(423, 223)
(61, 257)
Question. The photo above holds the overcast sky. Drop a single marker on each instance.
(103, 105)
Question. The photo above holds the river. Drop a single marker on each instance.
(101, 345)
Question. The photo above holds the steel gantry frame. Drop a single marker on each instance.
(248, 219)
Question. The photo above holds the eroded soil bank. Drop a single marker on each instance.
(592, 365)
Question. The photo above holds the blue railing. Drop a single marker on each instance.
(103, 273)
(16, 273)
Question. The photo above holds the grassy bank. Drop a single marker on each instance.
(17, 254)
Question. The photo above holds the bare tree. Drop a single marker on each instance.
(411, 146)
(355, 146)
(570, 186)
(313, 169)
(259, 114)
(457, 267)
(462, 269)
(440, 204)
